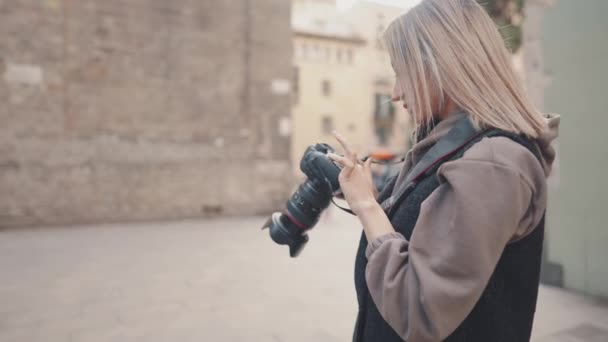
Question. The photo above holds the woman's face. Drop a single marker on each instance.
(398, 95)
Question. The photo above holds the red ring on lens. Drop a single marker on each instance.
(296, 222)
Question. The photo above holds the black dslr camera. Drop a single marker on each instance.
(304, 207)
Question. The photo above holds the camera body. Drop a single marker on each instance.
(319, 168)
(304, 207)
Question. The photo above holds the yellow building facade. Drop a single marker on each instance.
(343, 79)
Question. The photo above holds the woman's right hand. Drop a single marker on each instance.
(368, 174)
(356, 180)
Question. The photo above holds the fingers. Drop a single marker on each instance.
(347, 165)
(341, 160)
(345, 145)
(367, 168)
(350, 153)
(368, 164)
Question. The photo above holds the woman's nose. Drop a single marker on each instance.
(396, 94)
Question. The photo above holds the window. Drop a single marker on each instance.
(349, 56)
(327, 124)
(296, 84)
(320, 23)
(339, 55)
(384, 118)
(379, 41)
(379, 32)
(383, 106)
(326, 88)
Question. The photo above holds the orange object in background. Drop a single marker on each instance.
(384, 155)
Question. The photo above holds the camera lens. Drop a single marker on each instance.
(305, 206)
(307, 203)
(304, 209)
(284, 231)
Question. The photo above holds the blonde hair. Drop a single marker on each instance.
(452, 49)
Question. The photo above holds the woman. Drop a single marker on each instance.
(454, 255)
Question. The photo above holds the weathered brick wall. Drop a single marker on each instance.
(142, 109)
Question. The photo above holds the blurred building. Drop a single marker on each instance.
(343, 78)
(138, 110)
(566, 58)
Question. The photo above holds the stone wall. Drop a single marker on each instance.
(142, 109)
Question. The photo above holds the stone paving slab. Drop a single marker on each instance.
(215, 280)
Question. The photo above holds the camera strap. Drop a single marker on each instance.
(343, 208)
(459, 136)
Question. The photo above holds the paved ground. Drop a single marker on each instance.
(216, 281)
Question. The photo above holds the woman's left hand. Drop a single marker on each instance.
(355, 178)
